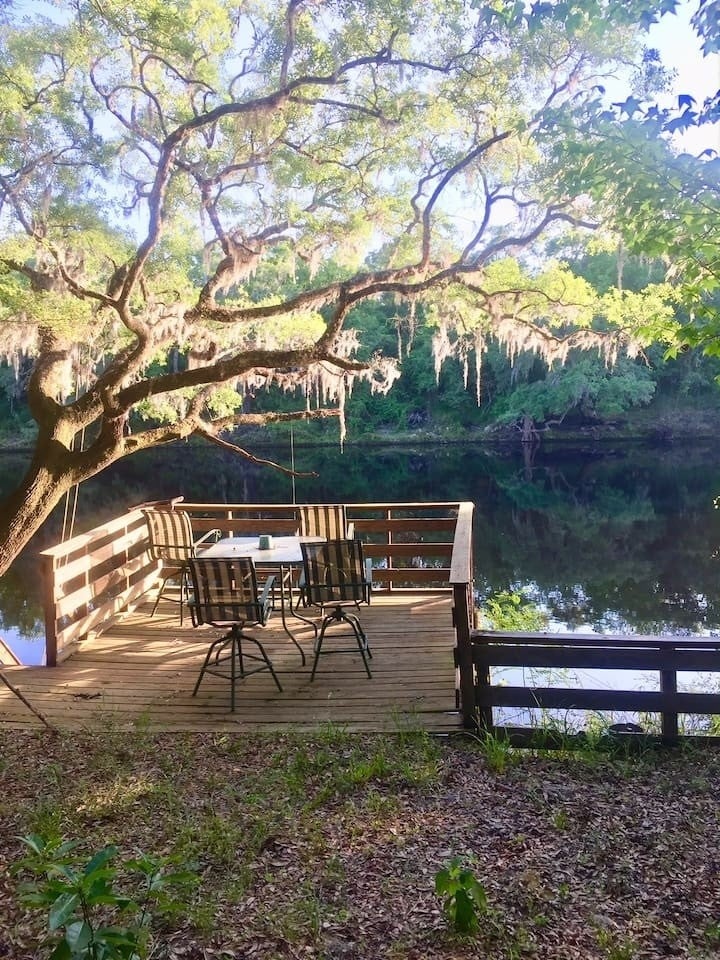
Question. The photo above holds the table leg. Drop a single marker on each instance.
(298, 616)
(286, 574)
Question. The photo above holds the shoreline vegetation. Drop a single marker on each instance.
(678, 425)
(327, 847)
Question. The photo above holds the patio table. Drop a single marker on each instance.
(285, 555)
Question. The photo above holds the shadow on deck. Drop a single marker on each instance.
(141, 673)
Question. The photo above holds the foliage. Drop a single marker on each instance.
(83, 898)
(464, 897)
(661, 200)
(496, 749)
(506, 610)
(662, 204)
(584, 386)
(196, 195)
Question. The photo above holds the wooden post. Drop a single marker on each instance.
(461, 578)
(388, 559)
(462, 621)
(484, 710)
(47, 566)
(668, 684)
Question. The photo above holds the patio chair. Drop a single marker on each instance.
(172, 543)
(328, 520)
(226, 595)
(336, 578)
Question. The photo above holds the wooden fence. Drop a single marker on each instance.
(665, 655)
(90, 579)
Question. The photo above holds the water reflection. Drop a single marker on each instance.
(608, 538)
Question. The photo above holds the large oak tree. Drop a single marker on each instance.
(155, 154)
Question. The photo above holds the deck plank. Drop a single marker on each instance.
(141, 672)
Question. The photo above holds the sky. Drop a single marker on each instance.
(697, 75)
(673, 36)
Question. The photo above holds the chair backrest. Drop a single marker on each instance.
(225, 591)
(171, 537)
(334, 571)
(327, 520)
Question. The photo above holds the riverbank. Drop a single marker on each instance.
(664, 422)
(327, 848)
(659, 423)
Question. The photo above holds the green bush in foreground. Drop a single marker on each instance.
(464, 897)
(85, 904)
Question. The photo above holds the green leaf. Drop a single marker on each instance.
(78, 936)
(100, 859)
(63, 908)
(464, 911)
(62, 951)
(124, 942)
(35, 842)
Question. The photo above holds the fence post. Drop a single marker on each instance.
(47, 566)
(461, 578)
(388, 558)
(462, 609)
(485, 713)
(668, 684)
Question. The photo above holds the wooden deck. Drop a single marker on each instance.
(141, 673)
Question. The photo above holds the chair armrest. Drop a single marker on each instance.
(206, 536)
(269, 583)
(157, 503)
(368, 577)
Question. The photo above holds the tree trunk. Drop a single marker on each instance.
(528, 431)
(26, 509)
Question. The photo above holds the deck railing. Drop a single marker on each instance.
(665, 655)
(90, 579)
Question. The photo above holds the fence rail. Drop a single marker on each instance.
(411, 543)
(89, 579)
(667, 656)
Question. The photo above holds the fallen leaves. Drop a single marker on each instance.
(313, 848)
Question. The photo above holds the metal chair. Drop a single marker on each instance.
(336, 577)
(225, 595)
(328, 520)
(172, 543)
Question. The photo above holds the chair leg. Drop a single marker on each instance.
(318, 644)
(211, 649)
(362, 642)
(235, 651)
(267, 660)
(237, 661)
(159, 595)
(184, 592)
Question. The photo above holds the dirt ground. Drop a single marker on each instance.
(328, 847)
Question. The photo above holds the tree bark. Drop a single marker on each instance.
(24, 511)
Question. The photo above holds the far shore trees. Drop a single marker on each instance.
(155, 155)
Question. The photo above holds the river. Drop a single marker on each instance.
(609, 537)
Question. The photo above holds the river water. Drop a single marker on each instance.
(607, 537)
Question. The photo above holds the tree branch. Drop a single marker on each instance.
(260, 461)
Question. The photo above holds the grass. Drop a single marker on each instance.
(327, 846)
